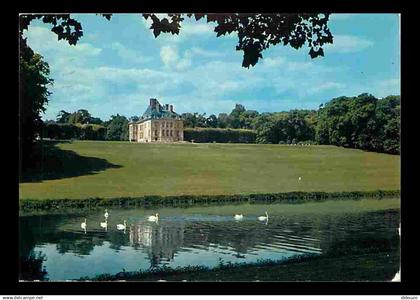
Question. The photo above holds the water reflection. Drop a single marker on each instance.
(194, 239)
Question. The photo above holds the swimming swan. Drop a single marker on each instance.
(263, 218)
(106, 215)
(104, 224)
(239, 217)
(154, 218)
(83, 225)
(121, 226)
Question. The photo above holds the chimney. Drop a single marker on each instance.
(171, 108)
(153, 102)
(167, 106)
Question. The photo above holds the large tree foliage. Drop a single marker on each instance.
(362, 122)
(33, 88)
(117, 128)
(255, 32)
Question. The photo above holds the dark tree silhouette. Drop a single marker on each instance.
(256, 32)
(33, 96)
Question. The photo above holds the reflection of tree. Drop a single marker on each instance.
(77, 243)
(31, 267)
(30, 263)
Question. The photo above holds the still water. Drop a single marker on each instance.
(205, 236)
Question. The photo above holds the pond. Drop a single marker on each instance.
(204, 235)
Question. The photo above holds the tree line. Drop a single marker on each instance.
(362, 122)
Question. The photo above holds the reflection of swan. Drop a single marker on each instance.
(121, 226)
(104, 224)
(239, 217)
(106, 215)
(83, 225)
(154, 218)
(263, 218)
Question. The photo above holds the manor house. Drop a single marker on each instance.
(158, 124)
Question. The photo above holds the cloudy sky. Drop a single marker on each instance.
(118, 65)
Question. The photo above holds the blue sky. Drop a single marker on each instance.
(118, 65)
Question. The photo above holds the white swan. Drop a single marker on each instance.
(154, 218)
(263, 218)
(83, 225)
(104, 224)
(122, 226)
(300, 178)
(239, 217)
(106, 215)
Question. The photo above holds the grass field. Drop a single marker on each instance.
(84, 169)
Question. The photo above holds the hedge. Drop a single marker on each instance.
(74, 131)
(219, 135)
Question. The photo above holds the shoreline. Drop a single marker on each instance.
(191, 200)
(365, 266)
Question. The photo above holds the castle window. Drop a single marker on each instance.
(163, 132)
(171, 132)
(167, 132)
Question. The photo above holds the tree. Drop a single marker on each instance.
(224, 120)
(33, 95)
(235, 114)
(63, 117)
(256, 32)
(362, 122)
(82, 116)
(117, 128)
(211, 121)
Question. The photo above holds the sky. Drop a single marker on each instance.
(118, 65)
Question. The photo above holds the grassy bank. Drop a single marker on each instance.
(122, 170)
(374, 266)
(191, 200)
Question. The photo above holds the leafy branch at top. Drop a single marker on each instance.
(256, 32)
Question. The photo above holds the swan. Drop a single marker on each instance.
(153, 218)
(104, 224)
(300, 178)
(122, 226)
(263, 218)
(83, 225)
(239, 217)
(106, 215)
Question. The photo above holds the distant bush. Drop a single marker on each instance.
(219, 135)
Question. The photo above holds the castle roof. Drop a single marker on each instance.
(157, 111)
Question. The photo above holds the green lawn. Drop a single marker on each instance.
(122, 169)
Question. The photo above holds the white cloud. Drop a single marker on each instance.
(347, 44)
(388, 87)
(328, 85)
(169, 55)
(44, 41)
(129, 54)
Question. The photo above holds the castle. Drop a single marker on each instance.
(158, 124)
